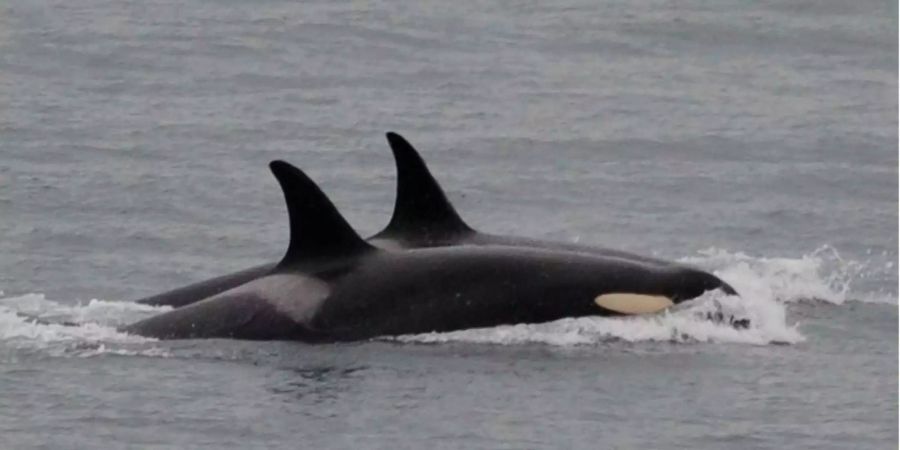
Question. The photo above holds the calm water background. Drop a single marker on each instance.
(755, 139)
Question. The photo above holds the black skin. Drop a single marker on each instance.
(204, 289)
(332, 285)
(423, 217)
(379, 293)
(392, 240)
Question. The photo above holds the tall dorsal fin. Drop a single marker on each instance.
(421, 206)
(318, 230)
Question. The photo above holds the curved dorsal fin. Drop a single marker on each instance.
(318, 230)
(421, 206)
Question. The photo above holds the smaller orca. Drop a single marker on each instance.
(331, 285)
(195, 292)
(422, 217)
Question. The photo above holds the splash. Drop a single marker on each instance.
(31, 323)
(690, 324)
(820, 276)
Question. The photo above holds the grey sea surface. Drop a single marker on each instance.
(757, 140)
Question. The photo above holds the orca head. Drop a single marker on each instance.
(689, 283)
(646, 289)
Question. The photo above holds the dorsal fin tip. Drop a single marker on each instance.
(405, 153)
(317, 228)
(279, 165)
(421, 205)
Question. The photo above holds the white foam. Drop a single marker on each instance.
(95, 311)
(94, 331)
(822, 275)
(685, 325)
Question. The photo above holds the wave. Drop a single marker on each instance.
(31, 323)
(819, 276)
(691, 324)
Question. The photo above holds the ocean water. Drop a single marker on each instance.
(757, 140)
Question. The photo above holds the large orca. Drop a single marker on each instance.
(332, 285)
(422, 217)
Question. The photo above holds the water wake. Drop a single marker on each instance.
(820, 276)
(32, 323)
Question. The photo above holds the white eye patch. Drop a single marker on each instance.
(626, 303)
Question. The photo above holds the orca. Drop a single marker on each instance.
(198, 291)
(333, 286)
(422, 217)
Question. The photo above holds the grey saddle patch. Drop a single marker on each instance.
(387, 244)
(296, 296)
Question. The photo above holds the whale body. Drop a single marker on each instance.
(423, 217)
(332, 285)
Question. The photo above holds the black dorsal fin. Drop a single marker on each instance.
(421, 206)
(318, 230)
